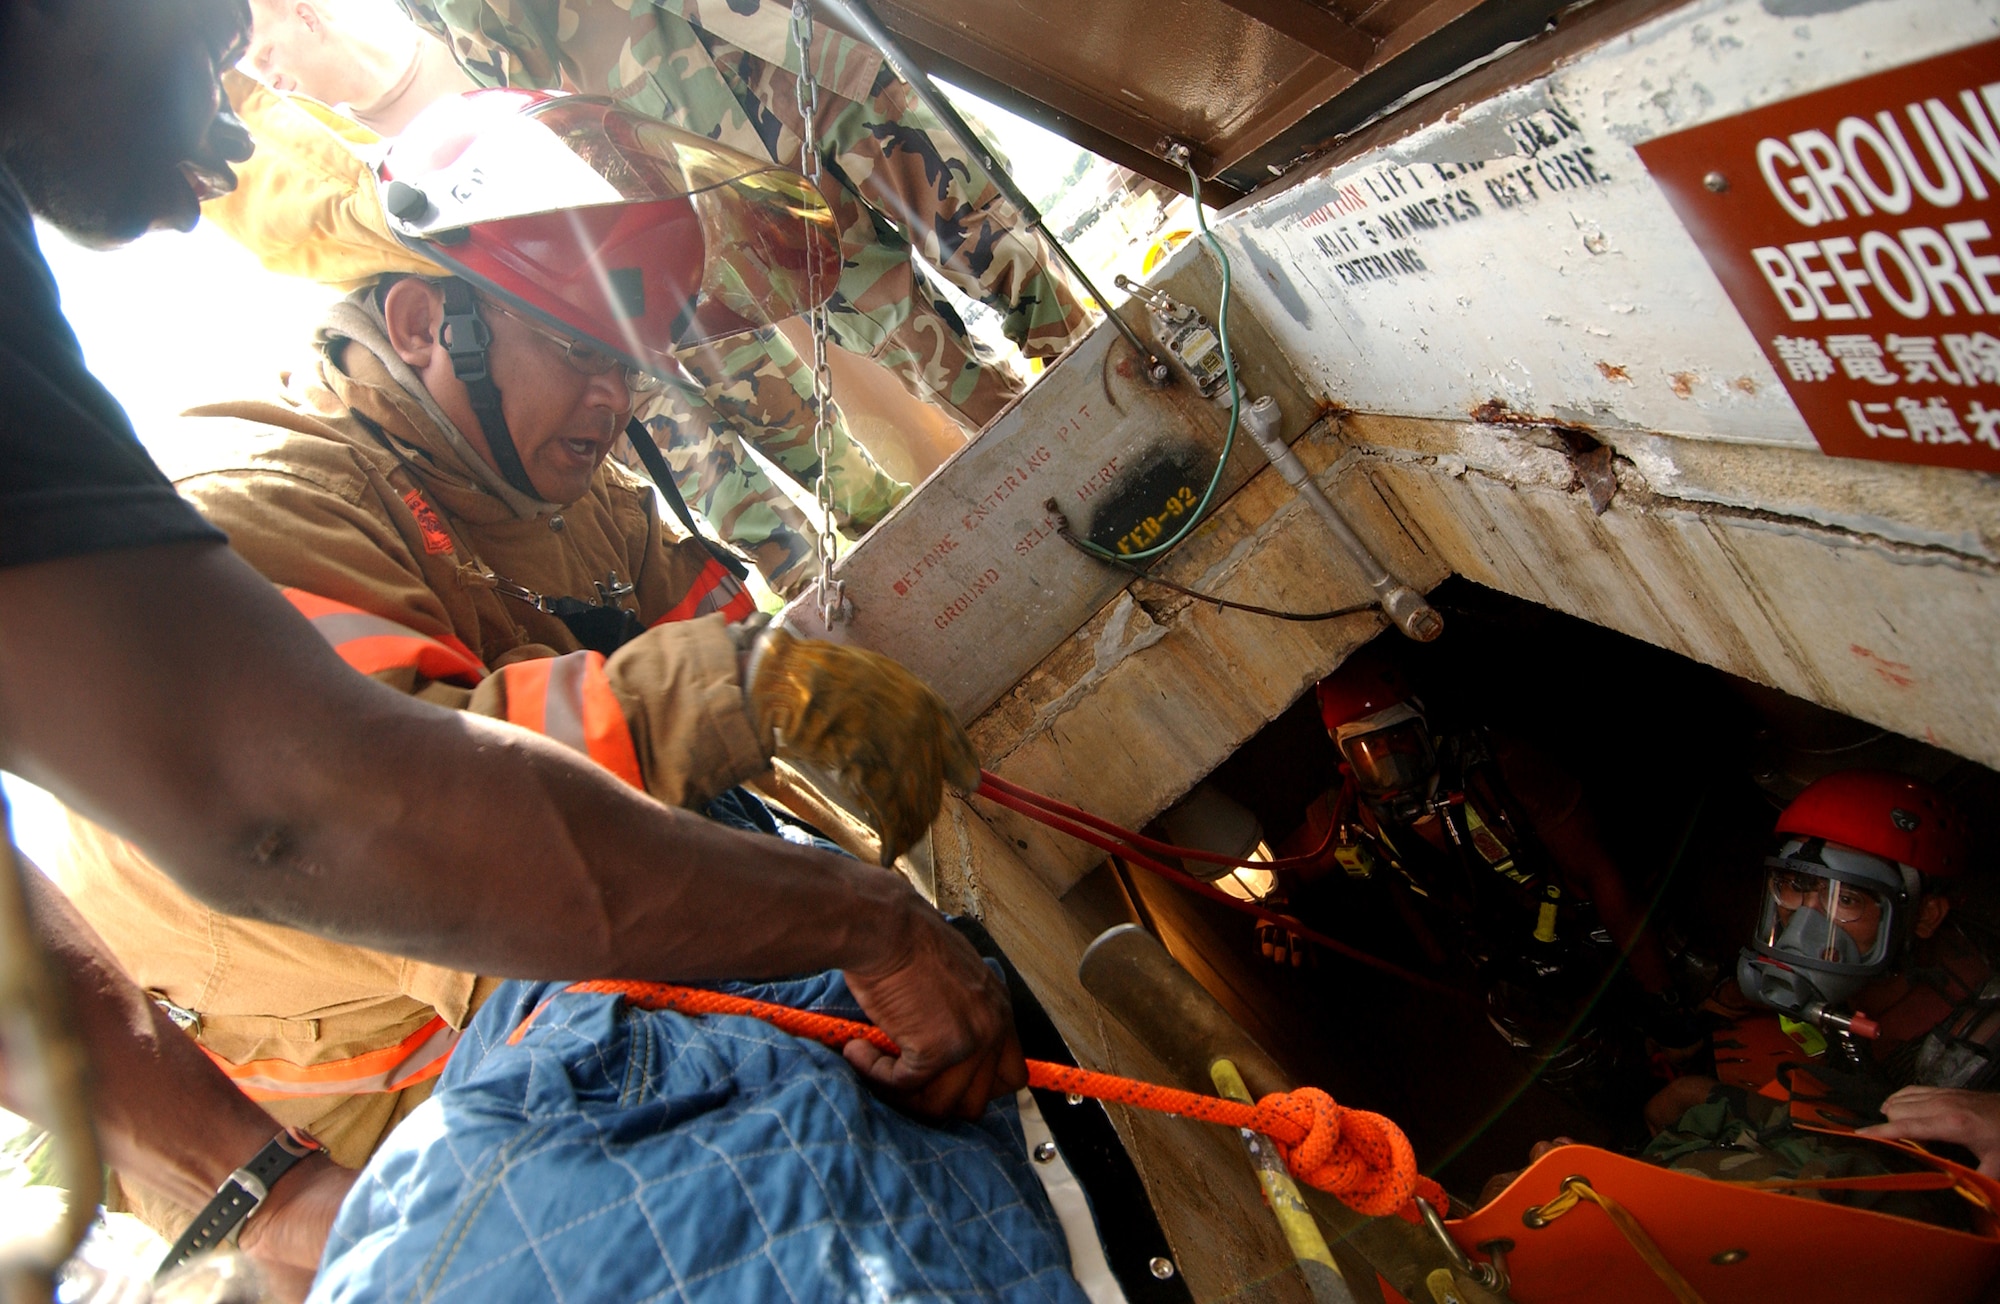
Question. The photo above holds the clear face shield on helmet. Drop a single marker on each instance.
(637, 234)
(1830, 922)
(1391, 755)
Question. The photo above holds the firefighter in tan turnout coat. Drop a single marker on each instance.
(394, 533)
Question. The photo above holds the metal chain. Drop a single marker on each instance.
(831, 598)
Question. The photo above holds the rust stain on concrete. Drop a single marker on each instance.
(1682, 383)
(1894, 672)
(1498, 412)
(1611, 371)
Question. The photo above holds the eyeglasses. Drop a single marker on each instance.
(1844, 903)
(581, 355)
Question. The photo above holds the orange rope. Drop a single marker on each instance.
(1362, 1159)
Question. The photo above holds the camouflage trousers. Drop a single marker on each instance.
(889, 168)
(755, 390)
(901, 189)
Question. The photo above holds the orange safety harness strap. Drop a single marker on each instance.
(1362, 1159)
(569, 699)
(1931, 1181)
(419, 1057)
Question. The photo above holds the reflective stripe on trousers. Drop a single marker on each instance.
(419, 1057)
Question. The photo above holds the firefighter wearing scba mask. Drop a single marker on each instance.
(1497, 835)
(1855, 984)
(1860, 875)
(1855, 971)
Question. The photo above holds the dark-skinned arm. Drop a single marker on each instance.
(166, 1118)
(171, 695)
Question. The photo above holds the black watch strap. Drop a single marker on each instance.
(239, 1196)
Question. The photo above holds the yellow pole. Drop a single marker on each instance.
(1301, 1232)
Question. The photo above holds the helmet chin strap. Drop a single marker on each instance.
(465, 336)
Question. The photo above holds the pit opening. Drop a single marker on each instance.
(1681, 769)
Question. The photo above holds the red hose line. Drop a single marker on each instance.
(990, 780)
(1000, 795)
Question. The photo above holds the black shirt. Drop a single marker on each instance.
(73, 476)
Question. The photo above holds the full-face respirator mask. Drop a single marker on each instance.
(1833, 919)
(1392, 759)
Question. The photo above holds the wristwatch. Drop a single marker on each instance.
(238, 1197)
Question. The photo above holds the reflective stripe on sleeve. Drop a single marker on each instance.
(419, 1057)
(569, 699)
(370, 643)
(715, 589)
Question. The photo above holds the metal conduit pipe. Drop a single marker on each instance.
(1409, 609)
(857, 15)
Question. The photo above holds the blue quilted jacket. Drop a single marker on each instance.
(618, 1155)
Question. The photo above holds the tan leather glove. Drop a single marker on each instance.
(862, 718)
(305, 202)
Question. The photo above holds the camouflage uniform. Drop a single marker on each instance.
(755, 387)
(726, 69)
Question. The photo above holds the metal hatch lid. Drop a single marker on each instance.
(1250, 85)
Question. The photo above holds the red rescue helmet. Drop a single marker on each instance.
(606, 223)
(1378, 724)
(1885, 815)
(1858, 848)
(1365, 683)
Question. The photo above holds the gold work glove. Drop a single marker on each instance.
(861, 717)
(305, 202)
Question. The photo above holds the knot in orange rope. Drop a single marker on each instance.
(1363, 1159)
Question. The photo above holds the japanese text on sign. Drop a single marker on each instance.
(1857, 231)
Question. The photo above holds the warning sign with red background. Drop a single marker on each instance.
(1857, 230)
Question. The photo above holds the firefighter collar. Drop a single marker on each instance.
(357, 320)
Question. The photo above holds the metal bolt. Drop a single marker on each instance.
(1716, 182)
(1162, 1267)
(557, 523)
(1728, 1257)
(1073, 1099)
(1045, 1153)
